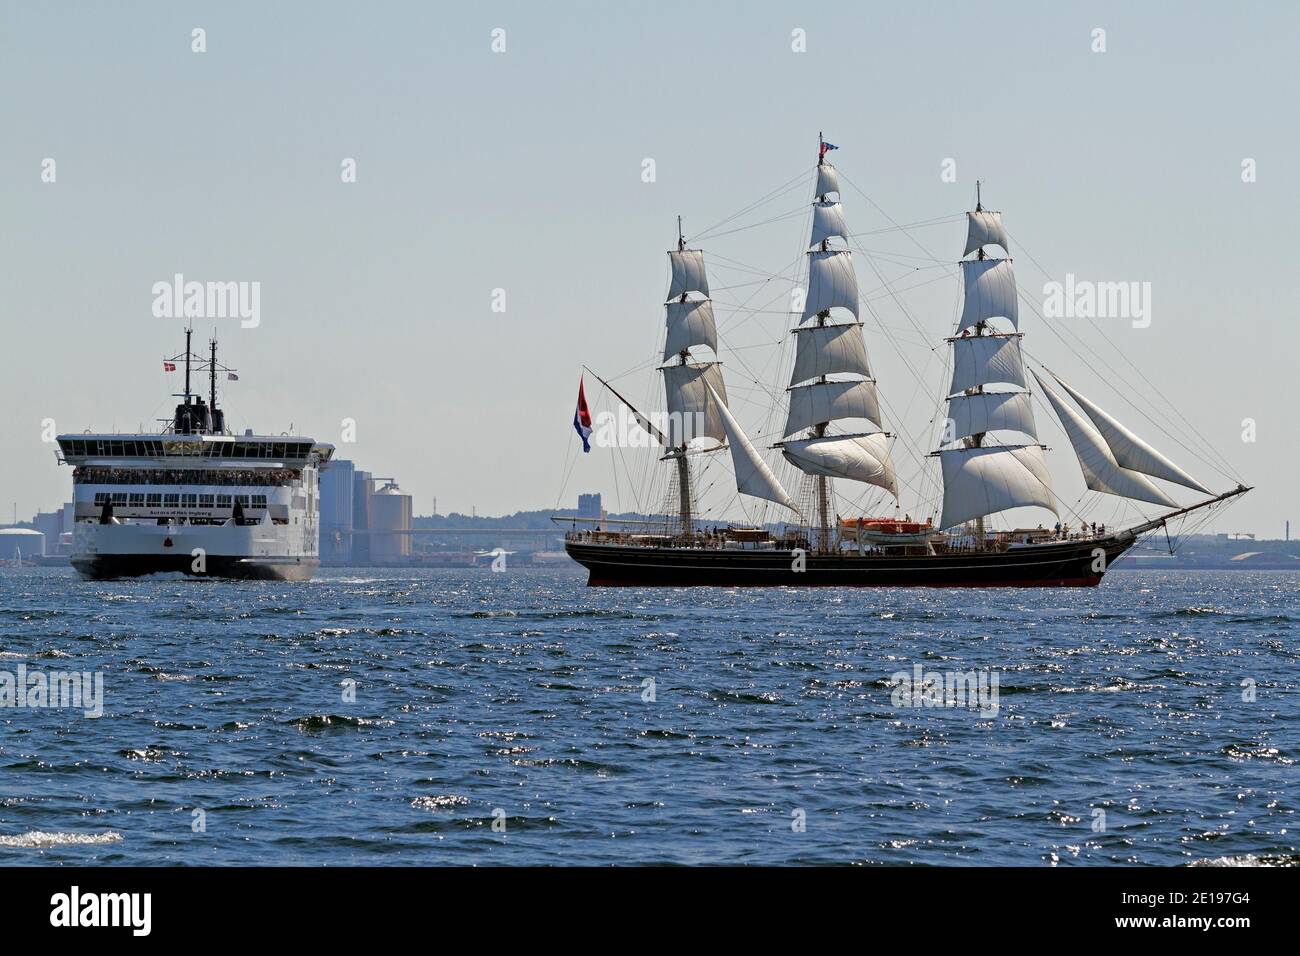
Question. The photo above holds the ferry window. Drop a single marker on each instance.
(191, 501)
(207, 501)
(115, 449)
(242, 499)
(137, 501)
(101, 498)
(171, 501)
(278, 450)
(153, 501)
(223, 501)
(259, 501)
(119, 497)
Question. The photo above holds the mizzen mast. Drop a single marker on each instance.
(689, 386)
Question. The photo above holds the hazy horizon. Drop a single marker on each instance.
(522, 171)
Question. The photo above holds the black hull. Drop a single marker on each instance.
(1055, 564)
(106, 567)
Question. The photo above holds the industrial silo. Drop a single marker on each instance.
(390, 516)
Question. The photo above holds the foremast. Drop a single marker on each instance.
(981, 478)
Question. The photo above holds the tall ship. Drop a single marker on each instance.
(988, 459)
(195, 498)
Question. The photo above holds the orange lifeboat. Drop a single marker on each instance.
(885, 525)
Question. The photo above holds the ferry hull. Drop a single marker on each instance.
(106, 567)
(260, 552)
(1057, 564)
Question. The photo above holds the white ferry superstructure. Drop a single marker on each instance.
(195, 498)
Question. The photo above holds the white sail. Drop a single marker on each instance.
(1130, 451)
(691, 413)
(986, 359)
(824, 402)
(828, 181)
(829, 350)
(991, 411)
(832, 283)
(753, 477)
(1100, 470)
(984, 228)
(983, 481)
(990, 292)
(828, 222)
(688, 272)
(690, 323)
(862, 458)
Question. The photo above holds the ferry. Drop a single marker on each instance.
(195, 498)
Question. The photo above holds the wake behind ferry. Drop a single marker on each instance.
(195, 498)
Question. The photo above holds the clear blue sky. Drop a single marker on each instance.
(522, 171)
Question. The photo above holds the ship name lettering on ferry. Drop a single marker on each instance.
(179, 299)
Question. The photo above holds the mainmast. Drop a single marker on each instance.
(189, 331)
(819, 430)
(825, 348)
(212, 374)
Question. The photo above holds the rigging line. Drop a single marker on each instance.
(770, 196)
(919, 224)
(886, 254)
(737, 266)
(1193, 433)
(565, 473)
(917, 375)
(903, 229)
(736, 285)
(1159, 426)
(764, 222)
(619, 458)
(871, 296)
(923, 249)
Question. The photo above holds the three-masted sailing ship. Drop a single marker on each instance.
(990, 456)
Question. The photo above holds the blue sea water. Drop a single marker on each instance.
(1151, 721)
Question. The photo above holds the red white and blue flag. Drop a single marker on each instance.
(582, 419)
(826, 148)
